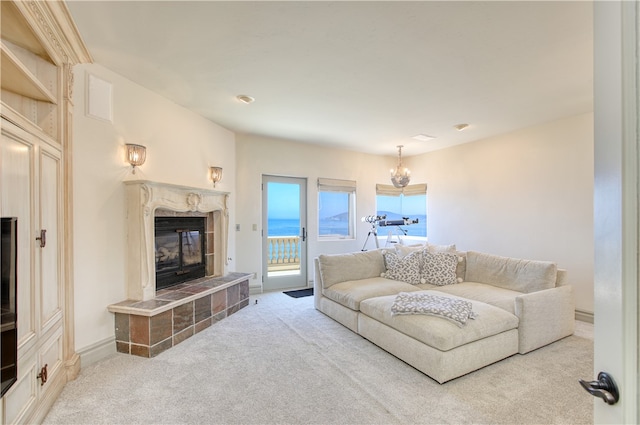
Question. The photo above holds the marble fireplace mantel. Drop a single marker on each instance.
(143, 198)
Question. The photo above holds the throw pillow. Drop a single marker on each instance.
(440, 268)
(441, 248)
(455, 310)
(405, 269)
(404, 250)
(461, 270)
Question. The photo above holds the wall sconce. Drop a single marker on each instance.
(136, 155)
(216, 174)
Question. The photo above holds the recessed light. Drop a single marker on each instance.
(245, 99)
(423, 137)
(460, 127)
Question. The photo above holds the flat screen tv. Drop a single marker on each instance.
(8, 324)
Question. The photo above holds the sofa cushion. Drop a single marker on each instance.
(405, 269)
(440, 268)
(352, 292)
(343, 267)
(493, 295)
(437, 332)
(510, 273)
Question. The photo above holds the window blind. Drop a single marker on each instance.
(410, 190)
(335, 185)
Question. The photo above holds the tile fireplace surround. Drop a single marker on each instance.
(147, 328)
(149, 322)
(144, 200)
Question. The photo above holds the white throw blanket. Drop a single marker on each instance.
(455, 310)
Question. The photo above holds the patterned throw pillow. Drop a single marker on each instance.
(455, 310)
(405, 269)
(440, 268)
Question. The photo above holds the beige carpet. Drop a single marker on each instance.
(282, 362)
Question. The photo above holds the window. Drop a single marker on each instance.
(336, 209)
(398, 204)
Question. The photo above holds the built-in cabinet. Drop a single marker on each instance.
(39, 47)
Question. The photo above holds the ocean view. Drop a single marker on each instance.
(284, 227)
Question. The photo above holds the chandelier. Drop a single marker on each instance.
(401, 175)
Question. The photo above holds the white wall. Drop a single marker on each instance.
(181, 146)
(527, 194)
(258, 155)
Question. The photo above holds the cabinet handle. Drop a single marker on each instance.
(42, 238)
(43, 375)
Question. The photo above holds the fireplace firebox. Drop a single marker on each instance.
(179, 250)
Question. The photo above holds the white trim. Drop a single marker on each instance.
(97, 351)
(584, 316)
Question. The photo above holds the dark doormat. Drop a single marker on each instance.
(300, 293)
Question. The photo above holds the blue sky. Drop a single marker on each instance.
(283, 200)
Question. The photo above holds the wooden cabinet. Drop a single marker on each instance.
(39, 47)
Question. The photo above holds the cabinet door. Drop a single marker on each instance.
(17, 185)
(49, 229)
(17, 200)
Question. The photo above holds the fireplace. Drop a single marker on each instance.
(148, 202)
(180, 249)
(178, 231)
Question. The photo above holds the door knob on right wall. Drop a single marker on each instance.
(605, 388)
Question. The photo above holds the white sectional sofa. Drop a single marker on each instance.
(481, 308)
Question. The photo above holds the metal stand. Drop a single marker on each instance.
(399, 231)
(375, 237)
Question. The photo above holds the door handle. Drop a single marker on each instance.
(42, 238)
(43, 375)
(605, 388)
(304, 234)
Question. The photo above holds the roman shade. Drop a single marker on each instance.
(410, 190)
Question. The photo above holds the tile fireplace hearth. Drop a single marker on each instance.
(147, 328)
(155, 317)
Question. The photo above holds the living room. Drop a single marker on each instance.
(527, 192)
(533, 184)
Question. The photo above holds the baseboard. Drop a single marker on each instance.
(97, 351)
(584, 316)
(72, 367)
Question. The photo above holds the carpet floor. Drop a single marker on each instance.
(280, 361)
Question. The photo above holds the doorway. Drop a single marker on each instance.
(284, 233)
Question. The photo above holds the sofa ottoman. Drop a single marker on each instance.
(438, 347)
(342, 300)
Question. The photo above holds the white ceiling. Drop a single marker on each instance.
(364, 76)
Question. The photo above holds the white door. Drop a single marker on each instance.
(284, 233)
(616, 230)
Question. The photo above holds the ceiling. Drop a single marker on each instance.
(364, 76)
